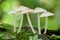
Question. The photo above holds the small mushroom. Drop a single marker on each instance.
(18, 10)
(27, 12)
(46, 14)
(39, 11)
(15, 11)
(14, 20)
(23, 10)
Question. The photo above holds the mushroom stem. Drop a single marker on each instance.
(14, 22)
(46, 25)
(21, 22)
(39, 29)
(29, 21)
(30, 38)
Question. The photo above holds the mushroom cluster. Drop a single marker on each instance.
(25, 10)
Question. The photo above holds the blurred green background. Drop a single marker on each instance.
(50, 5)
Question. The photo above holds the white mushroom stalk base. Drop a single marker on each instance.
(21, 22)
(30, 38)
(29, 21)
(46, 25)
(39, 28)
(14, 22)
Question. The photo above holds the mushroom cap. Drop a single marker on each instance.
(27, 11)
(38, 10)
(19, 9)
(12, 12)
(45, 14)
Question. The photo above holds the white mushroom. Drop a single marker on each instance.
(18, 10)
(46, 14)
(38, 11)
(15, 11)
(27, 11)
(14, 20)
(23, 10)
